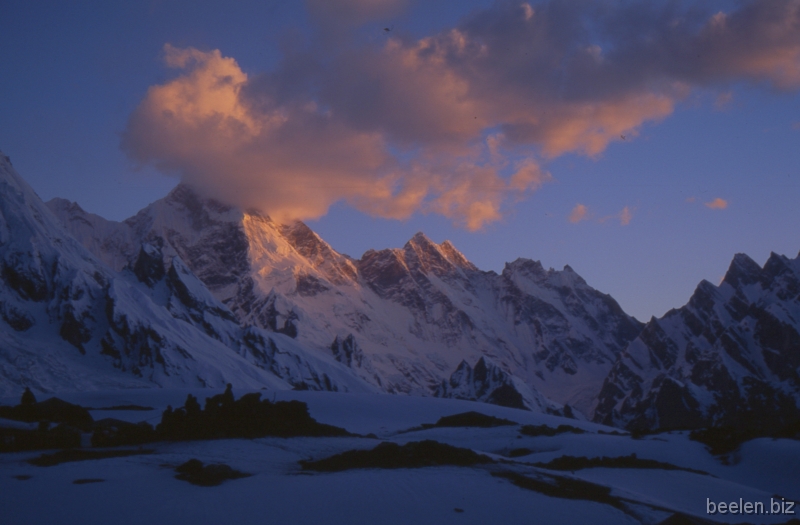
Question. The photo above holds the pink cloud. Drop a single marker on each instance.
(717, 204)
(294, 160)
(579, 213)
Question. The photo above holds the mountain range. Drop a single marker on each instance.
(194, 292)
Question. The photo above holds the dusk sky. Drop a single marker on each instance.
(642, 143)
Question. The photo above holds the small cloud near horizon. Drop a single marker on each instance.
(717, 204)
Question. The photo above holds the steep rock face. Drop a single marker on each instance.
(576, 332)
(731, 354)
(413, 313)
(68, 321)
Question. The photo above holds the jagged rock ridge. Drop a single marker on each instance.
(730, 355)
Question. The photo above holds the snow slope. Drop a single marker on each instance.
(142, 489)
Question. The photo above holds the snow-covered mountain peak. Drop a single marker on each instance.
(567, 277)
(422, 253)
(277, 253)
(532, 271)
(455, 256)
(229, 249)
(421, 239)
(423, 246)
(704, 294)
(529, 268)
(202, 211)
(742, 271)
(778, 265)
(336, 267)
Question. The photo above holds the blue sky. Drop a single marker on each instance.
(75, 80)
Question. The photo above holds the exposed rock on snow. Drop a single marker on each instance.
(488, 383)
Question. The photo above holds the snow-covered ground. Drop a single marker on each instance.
(142, 489)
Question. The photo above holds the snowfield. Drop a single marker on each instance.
(142, 488)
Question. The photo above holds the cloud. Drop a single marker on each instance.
(199, 126)
(717, 204)
(579, 213)
(457, 122)
(295, 159)
(625, 216)
(572, 76)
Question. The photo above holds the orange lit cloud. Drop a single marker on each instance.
(294, 160)
(717, 204)
(454, 123)
(291, 161)
(579, 213)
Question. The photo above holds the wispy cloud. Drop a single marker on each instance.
(625, 216)
(457, 122)
(717, 204)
